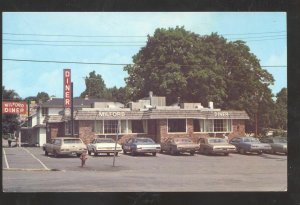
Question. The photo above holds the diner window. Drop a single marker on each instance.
(123, 126)
(209, 125)
(45, 111)
(222, 125)
(176, 125)
(110, 126)
(68, 127)
(99, 127)
(198, 125)
(137, 126)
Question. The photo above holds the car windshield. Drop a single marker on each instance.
(144, 140)
(72, 141)
(182, 140)
(105, 141)
(251, 140)
(216, 140)
(280, 140)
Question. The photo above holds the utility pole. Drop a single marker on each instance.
(117, 137)
(72, 111)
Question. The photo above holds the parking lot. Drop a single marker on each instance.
(27, 169)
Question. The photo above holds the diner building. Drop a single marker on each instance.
(148, 117)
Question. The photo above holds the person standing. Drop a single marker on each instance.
(9, 141)
(83, 158)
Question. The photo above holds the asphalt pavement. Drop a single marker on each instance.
(27, 169)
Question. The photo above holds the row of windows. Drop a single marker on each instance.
(200, 125)
(126, 126)
(174, 126)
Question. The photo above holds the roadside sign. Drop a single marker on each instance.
(9, 107)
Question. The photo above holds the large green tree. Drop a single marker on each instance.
(178, 63)
(95, 86)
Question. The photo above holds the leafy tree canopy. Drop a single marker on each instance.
(95, 86)
(179, 63)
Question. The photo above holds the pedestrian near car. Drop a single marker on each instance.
(9, 142)
(83, 158)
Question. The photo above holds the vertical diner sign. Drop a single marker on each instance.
(67, 91)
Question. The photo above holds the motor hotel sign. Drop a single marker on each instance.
(14, 107)
(67, 88)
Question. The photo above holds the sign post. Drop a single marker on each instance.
(117, 136)
(68, 98)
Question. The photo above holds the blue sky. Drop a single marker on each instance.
(264, 32)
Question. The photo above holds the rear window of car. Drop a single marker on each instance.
(216, 141)
(105, 141)
(145, 140)
(72, 141)
(251, 140)
(278, 140)
(183, 140)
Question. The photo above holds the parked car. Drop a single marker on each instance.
(179, 145)
(141, 145)
(65, 146)
(103, 145)
(249, 144)
(214, 145)
(278, 144)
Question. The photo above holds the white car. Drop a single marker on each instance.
(103, 145)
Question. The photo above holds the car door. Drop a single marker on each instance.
(56, 144)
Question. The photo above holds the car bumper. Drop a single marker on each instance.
(70, 152)
(183, 149)
(108, 150)
(259, 149)
(223, 150)
(146, 150)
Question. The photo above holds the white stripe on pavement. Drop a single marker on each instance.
(37, 159)
(5, 159)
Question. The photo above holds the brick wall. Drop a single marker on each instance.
(86, 132)
(238, 128)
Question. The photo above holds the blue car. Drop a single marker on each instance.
(249, 144)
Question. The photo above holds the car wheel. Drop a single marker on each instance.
(125, 152)
(117, 153)
(192, 153)
(78, 155)
(173, 152)
(154, 153)
(95, 153)
(89, 152)
(46, 153)
(259, 152)
(107, 154)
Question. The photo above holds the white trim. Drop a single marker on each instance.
(5, 159)
(36, 159)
